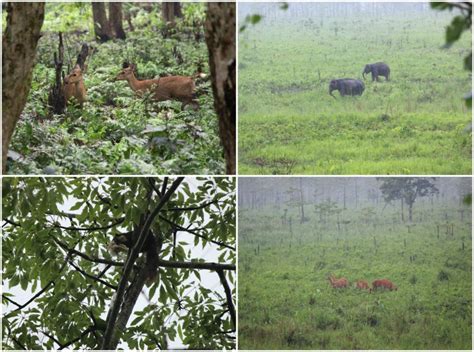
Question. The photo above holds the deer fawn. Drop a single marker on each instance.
(383, 283)
(338, 283)
(362, 285)
(179, 88)
(74, 86)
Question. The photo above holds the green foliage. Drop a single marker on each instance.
(458, 25)
(111, 134)
(49, 219)
(406, 188)
(413, 124)
(286, 301)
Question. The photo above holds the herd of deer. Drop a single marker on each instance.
(362, 284)
(179, 88)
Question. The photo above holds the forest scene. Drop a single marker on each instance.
(119, 88)
(413, 118)
(355, 263)
(106, 263)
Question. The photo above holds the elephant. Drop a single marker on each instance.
(346, 86)
(377, 69)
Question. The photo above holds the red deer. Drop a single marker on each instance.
(179, 88)
(362, 285)
(74, 86)
(383, 283)
(338, 283)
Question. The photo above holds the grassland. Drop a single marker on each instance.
(286, 302)
(414, 124)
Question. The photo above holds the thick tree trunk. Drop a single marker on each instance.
(101, 24)
(19, 42)
(177, 10)
(168, 12)
(220, 39)
(115, 17)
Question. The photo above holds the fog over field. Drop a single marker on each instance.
(413, 123)
(408, 239)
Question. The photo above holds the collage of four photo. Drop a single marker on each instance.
(236, 175)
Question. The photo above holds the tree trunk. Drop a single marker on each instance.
(220, 39)
(101, 24)
(115, 17)
(410, 212)
(24, 21)
(403, 215)
(168, 12)
(177, 10)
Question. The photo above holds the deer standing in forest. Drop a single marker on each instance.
(74, 86)
(338, 283)
(383, 283)
(179, 88)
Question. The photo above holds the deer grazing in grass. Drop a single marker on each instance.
(74, 86)
(362, 285)
(338, 283)
(179, 88)
(383, 283)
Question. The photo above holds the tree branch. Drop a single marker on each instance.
(180, 228)
(106, 227)
(105, 283)
(228, 294)
(11, 301)
(195, 207)
(11, 222)
(85, 256)
(88, 330)
(195, 265)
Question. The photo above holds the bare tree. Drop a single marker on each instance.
(19, 42)
(220, 39)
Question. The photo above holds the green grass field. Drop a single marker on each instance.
(413, 124)
(286, 301)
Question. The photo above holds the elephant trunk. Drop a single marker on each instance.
(363, 74)
(330, 93)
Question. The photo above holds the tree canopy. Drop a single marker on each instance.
(406, 189)
(62, 288)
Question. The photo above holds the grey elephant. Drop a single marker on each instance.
(377, 69)
(346, 86)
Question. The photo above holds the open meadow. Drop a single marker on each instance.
(416, 123)
(294, 233)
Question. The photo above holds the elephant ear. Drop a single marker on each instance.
(339, 84)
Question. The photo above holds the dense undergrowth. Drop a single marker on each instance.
(117, 132)
(414, 124)
(286, 301)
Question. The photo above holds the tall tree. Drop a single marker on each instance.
(407, 190)
(24, 21)
(108, 28)
(170, 10)
(83, 297)
(115, 16)
(220, 39)
(102, 29)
